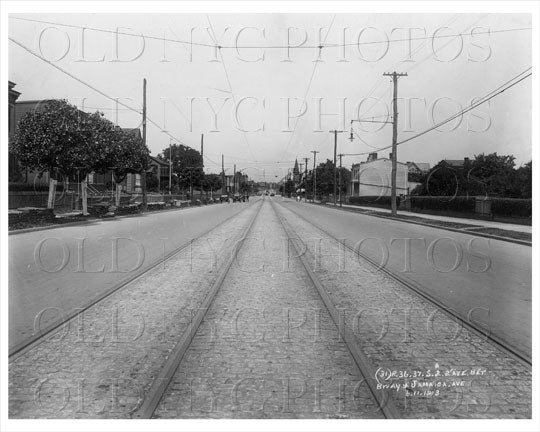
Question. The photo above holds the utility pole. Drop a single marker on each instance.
(170, 166)
(340, 156)
(395, 77)
(335, 132)
(202, 166)
(223, 188)
(305, 177)
(143, 174)
(314, 174)
(234, 180)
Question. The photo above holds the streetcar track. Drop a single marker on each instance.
(38, 338)
(492, 339)
(168, 370)
(384, 400)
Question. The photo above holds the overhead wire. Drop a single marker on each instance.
(148, 119)
(497, 91)
(216, 45)
(233, 95)
(307, 91)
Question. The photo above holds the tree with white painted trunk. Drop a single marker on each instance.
(55, 138)
(60, 139)
(121, 151)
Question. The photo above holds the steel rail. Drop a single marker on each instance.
(386, 404)
(38, 338)
(488, 336)
(166, 374)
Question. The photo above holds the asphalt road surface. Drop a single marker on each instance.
(55, 271)
(485, 281)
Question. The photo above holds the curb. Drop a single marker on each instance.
(94, 219)
(462, 231)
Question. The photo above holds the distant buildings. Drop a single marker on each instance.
(418, 167)
(373, 177)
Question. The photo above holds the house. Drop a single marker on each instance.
(374, 177)
(13, 96)
(456, 164)
(20, 108)
(14, 169)
(418, 167)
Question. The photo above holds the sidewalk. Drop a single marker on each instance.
(475, 222)
(513, 233)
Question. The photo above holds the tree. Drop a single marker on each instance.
(496, 172)
(15, 174)
(288, 188)
(56, 138)
(187, 164)
(489, 175)
(523, 181)
(211, 182)
(325, 179)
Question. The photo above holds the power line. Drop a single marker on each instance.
(323, 45)
(307, 91)
(418, 48)
(228, 81)
(452, 20)
(478, 103)
(497, 91)
(397, 64)
(93, 88)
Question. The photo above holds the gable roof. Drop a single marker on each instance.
(136, 132)
(457, 163)
(159, 161)
(420, 166)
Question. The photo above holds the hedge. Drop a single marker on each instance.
(373, 201)
(511, 207)
(30, 187)
(459, 204)
(500, 207)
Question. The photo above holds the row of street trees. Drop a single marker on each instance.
(188, 169)
(66, 142)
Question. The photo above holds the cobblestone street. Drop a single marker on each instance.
(267, 346)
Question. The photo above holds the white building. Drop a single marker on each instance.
(374, 177)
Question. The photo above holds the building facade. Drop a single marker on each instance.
(374, 177)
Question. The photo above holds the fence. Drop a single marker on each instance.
(502, 209)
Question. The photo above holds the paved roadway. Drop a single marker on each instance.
(492, 275)
(38, 281)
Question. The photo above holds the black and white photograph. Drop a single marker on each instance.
(269, 215)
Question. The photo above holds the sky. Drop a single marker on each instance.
(245, 97)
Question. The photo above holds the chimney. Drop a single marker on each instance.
(372, 157)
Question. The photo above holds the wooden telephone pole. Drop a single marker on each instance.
(314, 174)
(170, 166)
(223, 187)
(340, 157)
(395, 77)
(143, 174)
(335, 132)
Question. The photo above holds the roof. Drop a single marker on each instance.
(421, 166)
(159, 161)
(458, 163)
(136, 132)
(380, 159)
